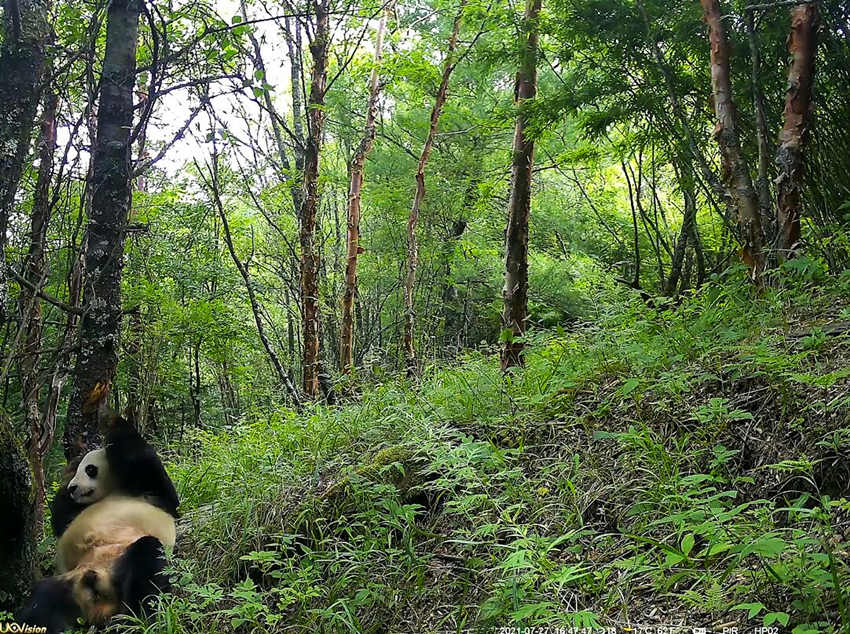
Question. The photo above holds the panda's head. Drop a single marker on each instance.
(93, 479)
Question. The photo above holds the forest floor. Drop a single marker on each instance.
(684, 467)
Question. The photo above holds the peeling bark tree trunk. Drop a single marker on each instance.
(346, 345)
(17, 530)
(515, 292)
(21, 65)
(802, 45)
(739, 184)
(307, 235)
(29, 308)
(100, 329)
(413, 219)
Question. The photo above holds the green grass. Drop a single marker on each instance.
(679, 466)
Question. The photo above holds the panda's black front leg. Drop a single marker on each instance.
(140, 573)
(63, 508)
(137, 468)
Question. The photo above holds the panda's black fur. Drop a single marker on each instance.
(123, 564)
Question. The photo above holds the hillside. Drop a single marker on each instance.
(682, 467)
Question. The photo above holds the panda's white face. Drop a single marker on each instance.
(92, 480)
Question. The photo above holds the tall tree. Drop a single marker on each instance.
(412, 246)
(515, 292)
(736, 172)
(22, 55)
(307, 235)
(97, 358)
(213, 184)
(40, 427)
(802, 45)
(352, 241)
(22, 60)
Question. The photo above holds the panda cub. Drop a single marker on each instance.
(114, 518)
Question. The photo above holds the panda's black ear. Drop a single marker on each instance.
(51, 606)
(139, 573)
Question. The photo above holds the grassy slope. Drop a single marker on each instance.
(656, 467)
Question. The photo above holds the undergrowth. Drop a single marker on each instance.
(680, 465)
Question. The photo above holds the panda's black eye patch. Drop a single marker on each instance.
(91, 471)
(90, 580)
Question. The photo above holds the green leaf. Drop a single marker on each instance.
(753, 608)
(688, 543)
(629, 386)
(237, 19)
(776, 617)
(766, 546)
(259, 74)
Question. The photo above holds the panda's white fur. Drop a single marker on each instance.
(93, 479)
(104, 530)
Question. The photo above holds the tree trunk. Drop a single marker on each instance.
(307, 234)
(413, 219)
(802, 45)
(100, 329)
(29, 307)
(686, 184)
(736, 172)
(282, 373)
(21, 65)
(17, 530)
(515, 292)
(763, 180)
(352, 243)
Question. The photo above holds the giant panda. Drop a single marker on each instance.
(114, 518)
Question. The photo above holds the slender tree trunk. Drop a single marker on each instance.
(451, 315)
(413, 219)
(763, 180)
(97, 359)
(802, 46)
(293, 47)
(310, 264)
(352, 243)
(282, 373)
(195, 381)
(686, 184)
(29, 308)
(736, 172)
(515, 292)
(22, 56)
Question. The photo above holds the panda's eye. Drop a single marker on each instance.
(91, 471)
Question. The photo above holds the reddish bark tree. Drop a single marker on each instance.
(311, 328)
(413, 219)
(802, 45)
(515, 292)
(346, 354)
(736, 172)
